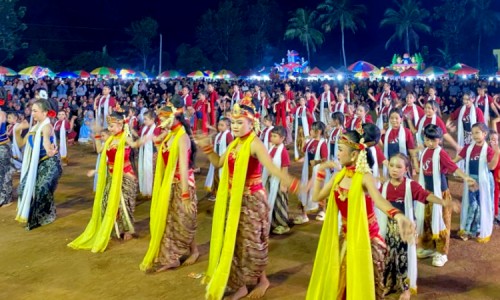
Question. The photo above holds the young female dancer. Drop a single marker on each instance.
(6, 167)
(240, 230)
(147, 154)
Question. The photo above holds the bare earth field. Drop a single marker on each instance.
(38, 265)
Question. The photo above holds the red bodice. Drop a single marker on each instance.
(111, 154)
(254, 172)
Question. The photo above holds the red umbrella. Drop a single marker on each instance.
(466, 70)
(315, 72)
(410, 72)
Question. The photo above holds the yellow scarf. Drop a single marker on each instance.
(162, 190)
(223, 237)
(325, 276)
(98, 231)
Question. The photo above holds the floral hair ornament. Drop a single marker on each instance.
(2, 102)
(246, 109)
(111, 119)
(51, 113)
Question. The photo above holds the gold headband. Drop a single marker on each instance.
(111, 119)
(237, 113)
(356, 146)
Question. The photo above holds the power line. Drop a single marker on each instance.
(74, 27)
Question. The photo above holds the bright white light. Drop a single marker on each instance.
(408, 79)
(386, 78)
(432, 77)
(163, 78)
(464, 76)
(340, 77)
(490, 78)
(327, 77)
(266, 77)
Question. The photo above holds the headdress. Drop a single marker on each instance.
(246, 109)
(362, 162)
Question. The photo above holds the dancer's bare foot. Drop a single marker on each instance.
(240, 293)
(191, 259)
(260, 289)
(164, 268)
(127, 236)
(405, 295)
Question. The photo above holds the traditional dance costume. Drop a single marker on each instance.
(302, 125)
(146, 160)
(6, 166)
(61, 129)
(222, 140)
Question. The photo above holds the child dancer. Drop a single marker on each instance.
(6, 169)
(17, 154)
(61, 129)
(302, 124)
(400, 273)
(147, 154)
(466, 116)
(435, 163)
(360, 117)
(277, 193)
(338, 129)
(476, 219)
(496, 177)
(221, 141)
(383, 113)
(266, 133)
(412, 112)
(316, 152)
(104, 136)
(398, 139)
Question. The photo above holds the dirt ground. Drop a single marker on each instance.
(38, 265)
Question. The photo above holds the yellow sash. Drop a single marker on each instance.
(223, 237)
(98, 231)
(325, 276)
(162, 190)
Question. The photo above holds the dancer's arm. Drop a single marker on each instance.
(318, 192)
(50, 148)
(19, 139)
(259, 150)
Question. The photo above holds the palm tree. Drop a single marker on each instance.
(341, 13)
(302, 25)
(407, 21)
(484, 20)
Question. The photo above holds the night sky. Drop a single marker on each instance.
(68, 29)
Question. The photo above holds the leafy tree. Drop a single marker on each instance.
(11, 28)
(302, 26)
(484, 22)
(220, 35)
(89, 60)
(407, 20)
(40, 59)
(142, 33)
(344, 14)
(191, 58)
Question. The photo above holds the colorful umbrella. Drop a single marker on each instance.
(362, 75)
(315, 72)
(125, 72)
(389, 73)
(103, 71)
(37, 72)
(82, 74)
(7, 71)
(361, 66)
(410, 72)
(226, 74)
(196, 74)
(67, 75)
(434, 71)
(462, 69)
(209, 74)
(141, 75)
(171, 74)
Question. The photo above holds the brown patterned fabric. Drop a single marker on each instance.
(379, 250)
(6, 172)
(252, 239)
(396, 262)
(442, 244)
(125, 217)
(180, 229)
(300, 140)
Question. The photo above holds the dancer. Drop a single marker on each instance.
(174, 204)
(337, 125)
(466, 116)
(147, 154)
(103, 106)
(17, 154)
(352, 266)
(316, 152)
(6, 166)
(476, 220)
(383, 112)
(325, 104)
(302, 123)
(240, 230)
(400, 273)
(265, 135)
(61, 129)
(412, 112)
(221, 141)
(84, 135)
(360, 117)
(114, 201)
(435, 163)
(41, 169)
(493, 142)
(277, 194)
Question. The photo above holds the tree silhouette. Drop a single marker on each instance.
(142, 33)
(484, 21)
(302, 26)
(407, 20)
(11, 28)
(344, 14)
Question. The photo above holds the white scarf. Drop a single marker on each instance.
(235, 98)
(305, 127)
(437, 224)
(17, 154)
(486, 108)
(416, 117)
(473, 120)
(146, 162)
(420, 131)
(63, 150)
(221, 137)
(411, 248)
(335, 138)
(340, 107)
(105, 105)
(401, 144)
(264, 136)
(375, 170)
(485, 196)
(306, 197)
(30, 171)
(97, 169)
(380, 119)
(131, 122)
(324, 97)
(348, 96)
(263, 107)
(353, 123)
(274, 183)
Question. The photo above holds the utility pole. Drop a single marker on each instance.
(161, 50)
